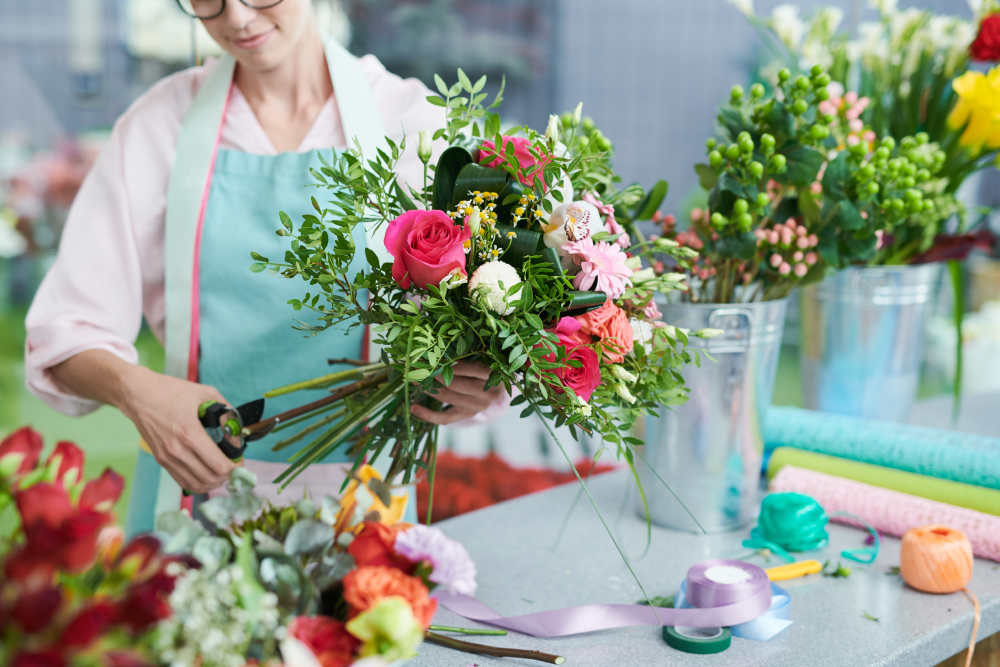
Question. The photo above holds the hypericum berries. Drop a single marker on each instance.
(715, 159)
(779, 162)
(736, 94)
(719, 220)
(741, 206)
(763, 200)
(756, 170)
(711, 143)
(800, 107)
(757, 90)
(767, 142)
(784, 74)
(733, 151)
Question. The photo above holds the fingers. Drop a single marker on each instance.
(476, 402)
(471, 369)
(186, 467)
(450, 416)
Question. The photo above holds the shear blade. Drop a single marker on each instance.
(250, 413)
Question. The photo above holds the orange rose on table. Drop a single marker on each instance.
(365, 586)
(374, 546)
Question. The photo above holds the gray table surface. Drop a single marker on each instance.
(523, 570)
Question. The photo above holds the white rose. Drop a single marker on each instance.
(787, 25)
(745, 6)
(485, 284)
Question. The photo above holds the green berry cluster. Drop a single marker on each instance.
(897, 172)
(591, 136)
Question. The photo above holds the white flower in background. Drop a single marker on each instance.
(821, 29)
(642, 334)
(745, 6)
(884, 7)
(454, 279)
(485, 285)
(903, 25)
(620, 373)
(949, 37)
(787, 25)
(870, 47)
(571, 222)
(578, 114)
(296, 654)
(424, 147)
(624, 393)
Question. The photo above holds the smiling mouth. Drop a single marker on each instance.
(254, 42)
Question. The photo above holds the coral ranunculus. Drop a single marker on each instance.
(19, 451)
(585, 379)
(986, 47)
(426, 246)
(610, 324)
(522, 152)
(374, 546)
(365, 586)
(327, 638)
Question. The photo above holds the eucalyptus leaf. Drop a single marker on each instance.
(241, 479)
(328, 509)
(218, 511)
(212, 552)
(381, 491)
(308, 537)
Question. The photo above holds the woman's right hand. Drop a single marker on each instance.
(165, 410)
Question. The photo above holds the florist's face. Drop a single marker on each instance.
(260, 39)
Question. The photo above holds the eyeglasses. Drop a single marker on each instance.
(209, 9)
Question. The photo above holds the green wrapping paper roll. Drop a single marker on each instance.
(960, 457)
(942, 490)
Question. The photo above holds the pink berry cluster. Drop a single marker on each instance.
(851, 106)
(788, 248)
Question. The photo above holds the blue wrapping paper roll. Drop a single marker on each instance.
(961, 457)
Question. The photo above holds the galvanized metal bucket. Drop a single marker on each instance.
(861, 335)
(709, 449)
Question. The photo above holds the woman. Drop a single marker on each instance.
(191, 181)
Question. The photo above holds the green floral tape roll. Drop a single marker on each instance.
(969, 496)
(697, 640)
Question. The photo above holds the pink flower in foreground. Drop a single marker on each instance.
(601, 263)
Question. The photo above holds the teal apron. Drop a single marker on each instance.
(228, 327)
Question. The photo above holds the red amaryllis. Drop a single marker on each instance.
(20, 450)
(585, 379)
(374, 546)
(958, 247)
(986, 47)
(146, 603)
(70, 462)
(327, 638)
(427, 246)
(89, 624)
(33, 610)
(102, 493)
(141, 551)
(39, 659)
(124, 659)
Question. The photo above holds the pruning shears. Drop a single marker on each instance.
(232, 428)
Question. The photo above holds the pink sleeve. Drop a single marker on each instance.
(109, 270)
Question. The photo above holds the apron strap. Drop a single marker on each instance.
(187, 198)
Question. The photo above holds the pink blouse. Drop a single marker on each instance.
(109, 272)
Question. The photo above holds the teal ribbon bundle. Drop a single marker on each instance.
(796, 522)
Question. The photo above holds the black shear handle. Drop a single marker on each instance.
(224, 426)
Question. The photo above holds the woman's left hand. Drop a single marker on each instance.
(465, 395)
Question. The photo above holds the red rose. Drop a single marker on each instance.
(585, 379)
(374, 546)
(522, 152)
(427, 246)
(87, 626)
(70, 461)
(39, 659)
(33, 611)
(102, 493)
(986, 48)
(25, 444)
(327, 638)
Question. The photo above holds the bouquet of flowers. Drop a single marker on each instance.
(518, 254)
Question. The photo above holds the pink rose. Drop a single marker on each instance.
(522, 152)
(427, 246)
(584, 380)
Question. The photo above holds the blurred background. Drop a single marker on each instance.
(649, 72)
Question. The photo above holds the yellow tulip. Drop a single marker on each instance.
(388, 516)
(977, 110)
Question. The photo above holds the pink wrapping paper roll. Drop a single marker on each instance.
(890, 512)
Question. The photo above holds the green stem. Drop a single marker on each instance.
(323, 381)
(431, 469)
(955, 271)
(278, 446)
(467, 631)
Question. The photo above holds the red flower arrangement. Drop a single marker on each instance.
(66, 591)
(986, 47)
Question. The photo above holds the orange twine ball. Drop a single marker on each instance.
(938, 559)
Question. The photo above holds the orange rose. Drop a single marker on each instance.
(365, 586)
(610, 324)
(374, 546)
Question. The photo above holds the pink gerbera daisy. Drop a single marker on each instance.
(603, 263)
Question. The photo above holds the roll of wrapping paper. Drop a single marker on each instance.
(942, 490)
(890, 512)
(960, 457)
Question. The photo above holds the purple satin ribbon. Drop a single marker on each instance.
(717, 605)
